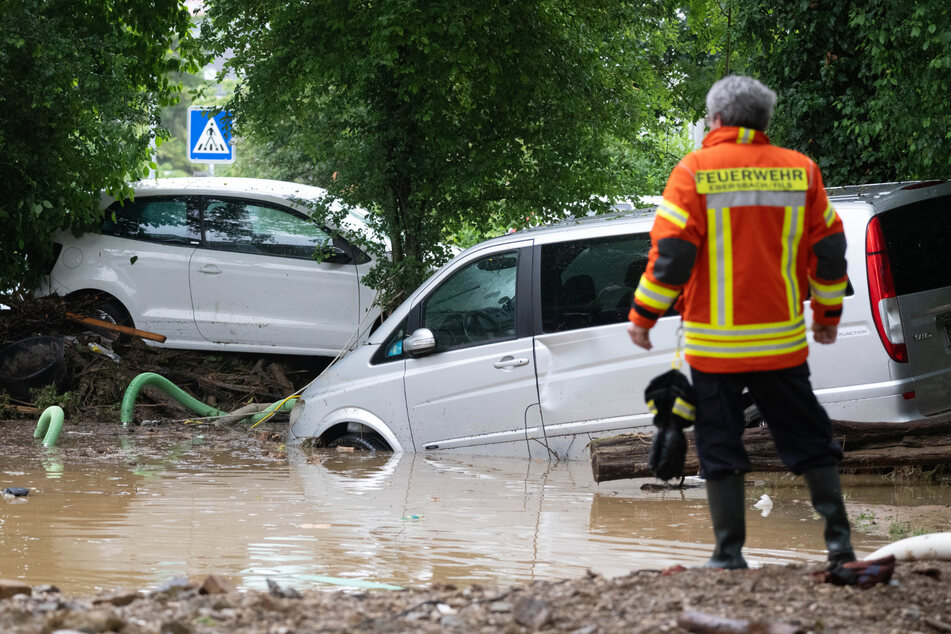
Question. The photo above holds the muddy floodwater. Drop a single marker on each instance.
(328, 519)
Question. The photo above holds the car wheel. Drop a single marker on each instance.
(114, 312)
(363, 442)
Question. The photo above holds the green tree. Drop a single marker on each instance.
(439, 115)
(81, 84)
(862, 85)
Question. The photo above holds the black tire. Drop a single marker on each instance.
(752, 417)
(112, 310)
(363, 442)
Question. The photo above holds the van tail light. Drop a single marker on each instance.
(881, 293)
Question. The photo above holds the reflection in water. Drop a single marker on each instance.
(398, 520)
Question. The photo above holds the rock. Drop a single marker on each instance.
(216, 584)
(530, 612)
(96, 621)
(11, 588)
(173, 586)
(174, 627)
(16, 491)
(500, 606)
(277, 591)
(452, 621)
(118, 599)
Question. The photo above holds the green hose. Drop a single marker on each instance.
(50, 424)
(283, 405)
(177, 393)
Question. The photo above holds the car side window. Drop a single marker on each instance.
(245, 227)
(476, 305)
(590, 282)
(164, 220)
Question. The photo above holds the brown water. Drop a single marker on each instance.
(404, 520)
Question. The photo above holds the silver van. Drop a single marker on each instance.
(518, 346)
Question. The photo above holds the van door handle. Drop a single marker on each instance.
(210, 269)
(508, 362)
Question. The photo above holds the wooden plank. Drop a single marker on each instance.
(866, 446)
(108, 325)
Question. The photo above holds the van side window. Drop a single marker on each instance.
(392, 348)
(590, 282)
(476, 305)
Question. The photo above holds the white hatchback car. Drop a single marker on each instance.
(519, 345)
(222, 264)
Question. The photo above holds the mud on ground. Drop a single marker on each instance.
(770, 599)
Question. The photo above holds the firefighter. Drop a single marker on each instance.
(744, 235)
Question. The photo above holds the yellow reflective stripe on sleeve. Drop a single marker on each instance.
(737, 179)
(792, 234)
(654, 295)
(672, 213)
(684, 409)
(651, 407)
(829, 215)
(720, 257)
(828, 294)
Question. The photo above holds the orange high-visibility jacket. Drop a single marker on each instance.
(746, 233)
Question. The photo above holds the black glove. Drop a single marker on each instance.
(668, 452)
(671, 398)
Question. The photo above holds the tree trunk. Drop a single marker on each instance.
(866, 447)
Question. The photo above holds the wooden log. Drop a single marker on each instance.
(25, 411)
(866, 446)
(108, 325)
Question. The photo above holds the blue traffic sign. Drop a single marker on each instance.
(209, 137)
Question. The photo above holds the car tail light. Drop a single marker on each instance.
(881, 293)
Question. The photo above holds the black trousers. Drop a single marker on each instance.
(798, 424)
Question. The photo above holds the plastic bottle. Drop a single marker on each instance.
(95, 347)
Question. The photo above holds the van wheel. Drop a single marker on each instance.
(363, 442)
(753, 418)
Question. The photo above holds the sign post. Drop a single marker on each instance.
(209, 137)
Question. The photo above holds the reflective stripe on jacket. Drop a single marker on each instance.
(746, 233)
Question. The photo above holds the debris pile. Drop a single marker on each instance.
(99, 364)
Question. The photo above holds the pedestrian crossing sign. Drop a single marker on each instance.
(209, 135)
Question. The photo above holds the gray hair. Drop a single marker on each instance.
(741, 101)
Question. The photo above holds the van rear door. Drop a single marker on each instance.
(918, 241)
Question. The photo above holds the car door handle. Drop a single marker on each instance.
(210, 269)
(509, 361)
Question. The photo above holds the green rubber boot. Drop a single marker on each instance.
(726, 500)
(826, 491)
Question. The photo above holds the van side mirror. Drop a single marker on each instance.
(420, 343)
